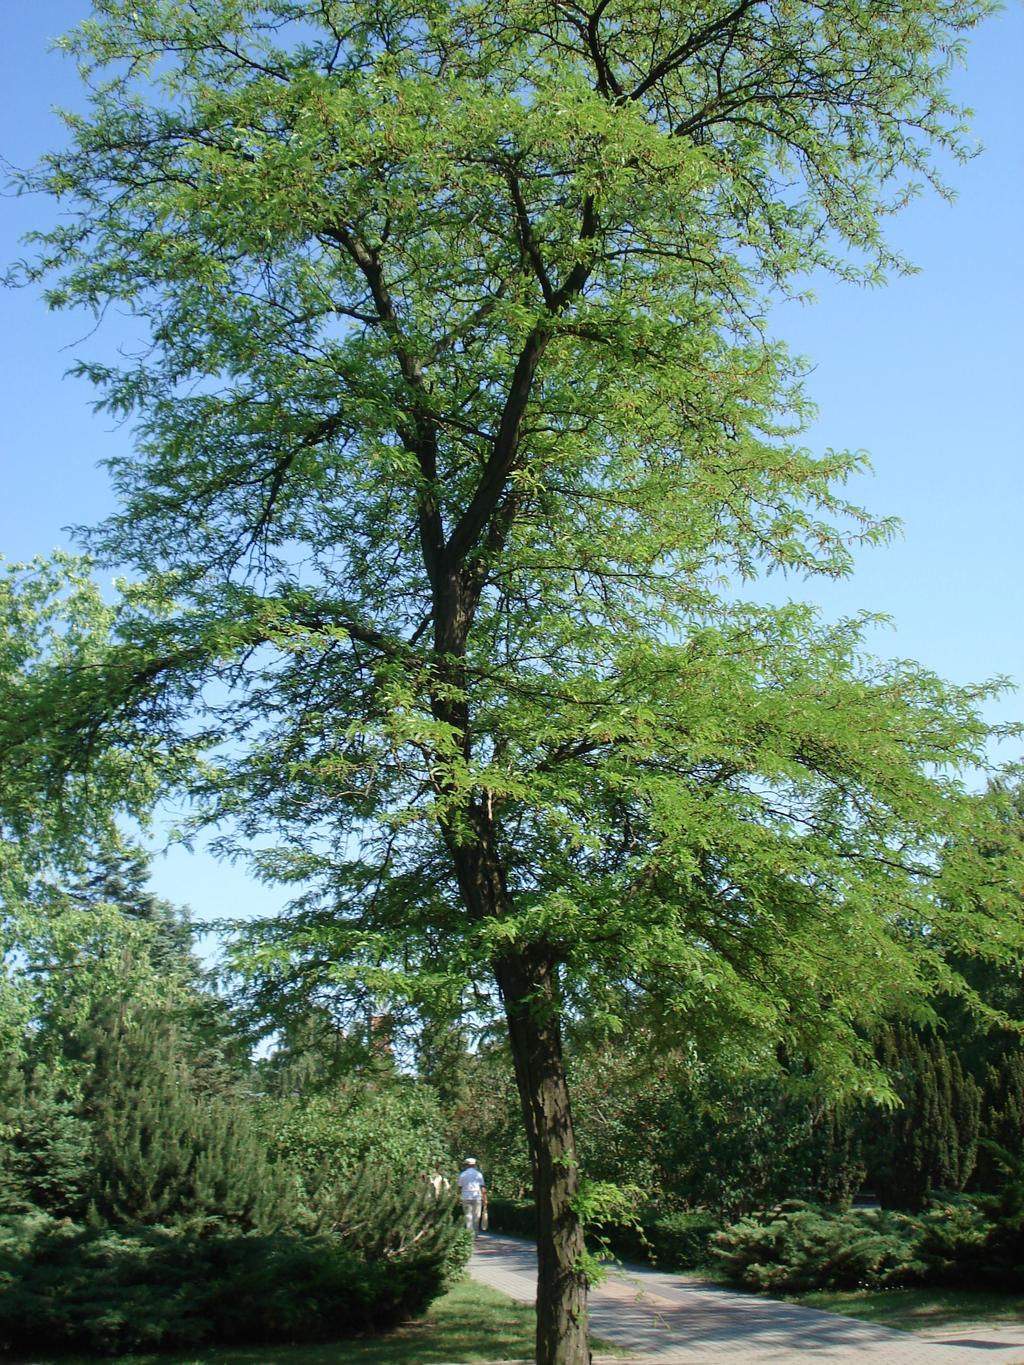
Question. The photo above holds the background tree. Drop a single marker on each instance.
(55, 612)
(930, 1142)
(341, 1137)
(46, 1151)
(458, 405)
(123, 1092)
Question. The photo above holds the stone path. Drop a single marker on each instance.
(677, 1320)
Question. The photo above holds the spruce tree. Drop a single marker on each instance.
(45, 1146)
(118, 875)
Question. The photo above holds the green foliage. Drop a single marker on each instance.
(740, 1139)
(929, 1143)
(1002, 1110)
(458, 407)
(517, 1217)
(1004, 1250)
(729, 1134)
(116, 875)
(952, 1242)
(331, 1139)
(385, 1214)
(46, 1148)
(487, 1122)
(798, 1247)
(122, 1094)
(55, 626)
(165, 1151)
(111, 1291)
(362, 1153)
(558, 376)
(671, 1241)
(602, 1206)
(312, 1054)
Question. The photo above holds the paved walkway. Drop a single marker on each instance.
(677, 1320)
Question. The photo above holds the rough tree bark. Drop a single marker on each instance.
(529, 990)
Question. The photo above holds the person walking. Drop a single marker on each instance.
(473, 1193)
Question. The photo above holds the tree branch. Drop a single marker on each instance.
(694, 44)
(423, 442)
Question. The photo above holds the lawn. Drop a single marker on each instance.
(471, 1323)
(917, 1310)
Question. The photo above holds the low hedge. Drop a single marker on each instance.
(106, 1291)
(796, 1246)
(671, 1241)
(517, 1217)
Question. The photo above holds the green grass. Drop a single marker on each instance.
(917, 1310)
(472, 1323)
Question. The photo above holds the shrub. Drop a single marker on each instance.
(382, 1218)
(106, 1291)
(163, 1150)
(953, 1238)
(329, 1138)
(45, 1155)
(798, 1247)
(517, 1217)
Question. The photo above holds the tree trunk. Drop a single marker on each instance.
(529, 990)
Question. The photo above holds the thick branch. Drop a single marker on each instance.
(422, 441)
(503, 451)
(506, 442)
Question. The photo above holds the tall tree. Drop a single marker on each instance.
(118, 875)
(458, 404)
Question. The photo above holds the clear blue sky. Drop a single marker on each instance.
(927, 375)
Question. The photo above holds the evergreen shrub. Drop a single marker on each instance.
(968, 1240)
(671, 1241)
(953, 1242)
(106, 1291)
(797, 1247)
(1004, 1244)
(384, 1218)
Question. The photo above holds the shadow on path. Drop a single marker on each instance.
(676, 1320)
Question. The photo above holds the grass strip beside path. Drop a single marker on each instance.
(918, 1309)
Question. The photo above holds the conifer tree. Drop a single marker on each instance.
(117, 875)
(165, 1151)
(1002, 1120)
(46, 1157)
(929, 1144)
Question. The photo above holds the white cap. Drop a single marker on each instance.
(469, 1161)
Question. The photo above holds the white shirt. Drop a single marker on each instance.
(471, 1183)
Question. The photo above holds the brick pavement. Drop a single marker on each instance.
(676, 1320)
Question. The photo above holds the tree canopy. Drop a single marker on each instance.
(456, 406)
